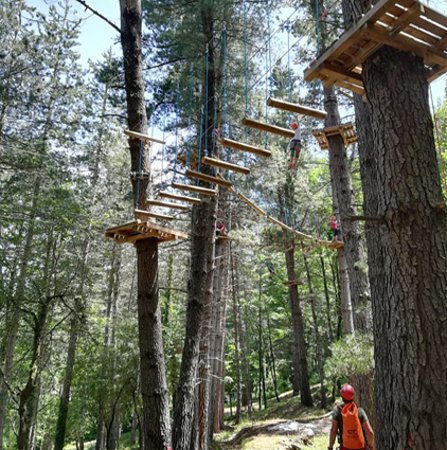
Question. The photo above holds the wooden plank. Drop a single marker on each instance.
(183, 198)
(285, 132)
(350, 78)
(362, 53)
(296, 108)
(163, 230)
(141, 136)
(435, 16)
(406, 17)
(207, 178)
(245, 147)
(351, 87)
(142, 213)
(259, 210)
(122, 227)
(215, 162)
(154, 202)
(409, 45)
(197, 189)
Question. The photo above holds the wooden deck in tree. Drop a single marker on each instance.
(141, 136)
(245, 147)
(196, 189)
(141, 213)
(346, 131)
(215, 162)
(274, 129)
(141, 229)
(154, 202)
(183, 198)
(207, 178)
(296, 108)
(406, 25)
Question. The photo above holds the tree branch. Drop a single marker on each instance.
(96, 13)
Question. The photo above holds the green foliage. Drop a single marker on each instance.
(351, 355)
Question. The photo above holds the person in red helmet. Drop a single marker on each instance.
(295, 146)
(351, 424)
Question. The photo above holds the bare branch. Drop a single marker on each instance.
(96, 13)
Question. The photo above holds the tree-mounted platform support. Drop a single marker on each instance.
(296, 108)
(215, 162)
(207, 178)
(285, 132)
(141, 136)
(346, 131)
(245, 147)
(403, 24)
(154, 202)
(140, 229)
(183, 198)
(196, 189)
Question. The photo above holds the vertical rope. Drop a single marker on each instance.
(225, 78)
(245, 60)
(191, 86)
(140, 163)
(206, 104)
(317, 25)
(176, 129)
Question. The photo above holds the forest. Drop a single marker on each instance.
(212, 227)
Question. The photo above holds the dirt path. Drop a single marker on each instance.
(279, 435)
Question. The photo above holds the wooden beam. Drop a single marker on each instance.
(208, 178)
(141, 136)
(245, 199)
(183, 198)
(267, 127)
(154, 202)
(294, 107)
(197, 189)
(245, 147)
(406, 18)
(142, 213)
(214, 162)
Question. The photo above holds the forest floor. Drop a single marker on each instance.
(284, 425)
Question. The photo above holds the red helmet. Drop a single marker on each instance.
(347, 392)
(294, 125)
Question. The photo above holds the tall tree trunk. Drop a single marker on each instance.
(272, 357)
(330, 334)
(410, 243)
(318, 345)
(157, 432)
(353, 248)
(236, 329)
(200, 283)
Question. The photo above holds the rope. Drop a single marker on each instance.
(317, 26)
(206, 105)
(191, 86)
(245, 60)
(176, 129)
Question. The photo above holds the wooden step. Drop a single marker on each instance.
(245, 147)
(214, 162)
(183, 198)
(267, 127)
(321, 139)
(141, 136)
(140, 213)
(208, 178)
(296, 108)
(142, 229)
(154, 202)
(197, 189)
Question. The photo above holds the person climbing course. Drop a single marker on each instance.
(351, 424)
(220, 228)
(335, 227)
(295, 146)
(270, 268)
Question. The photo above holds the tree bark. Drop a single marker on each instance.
(156, 423)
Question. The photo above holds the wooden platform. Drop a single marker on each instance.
(141, 136)
(154, 202)
(138, 229)
(183, 198)
(296, 108)
(207, 178)
(346, 131)
(193, 160)
(215, 162)
(196, 189)
(335, 245)
(403, 24)
(245, 147)
(142, 214)
(285, 132)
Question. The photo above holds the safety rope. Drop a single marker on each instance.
(191, 89)
(177, 115)
(140, 163)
